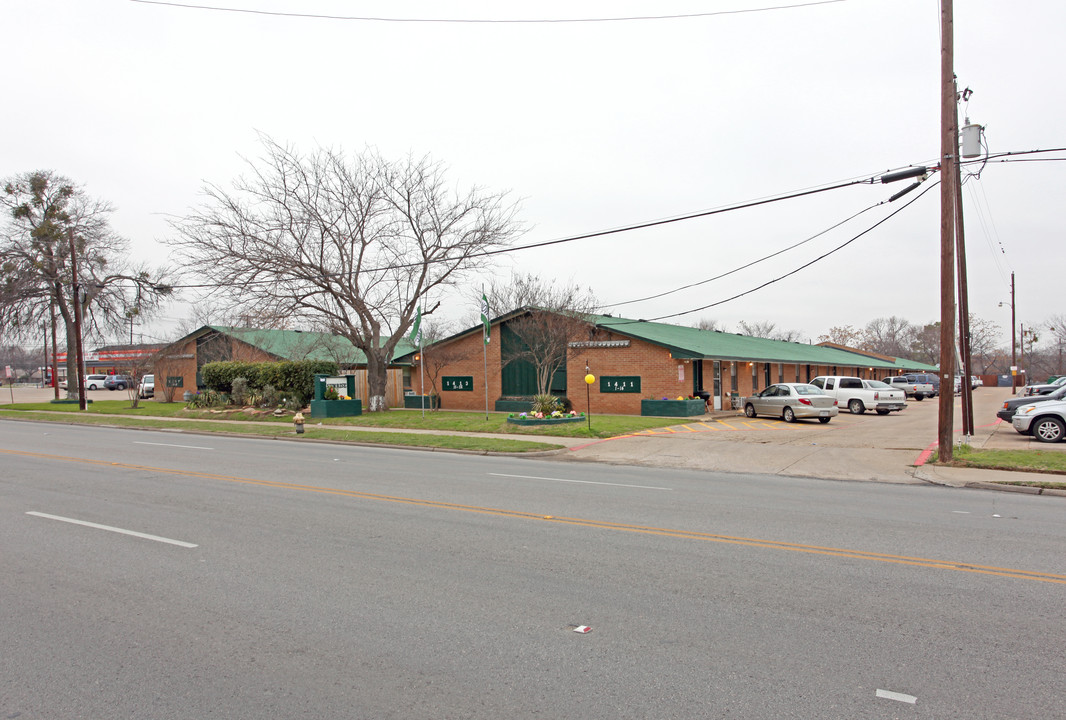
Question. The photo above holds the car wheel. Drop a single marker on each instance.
(92, 387)
(882, 412)
(749, 410)
(789, 415)
(823, 420)
(120, 387)
(1048, 429)
(919, 397)
(856, 407)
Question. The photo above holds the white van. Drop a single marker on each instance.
(147, 387)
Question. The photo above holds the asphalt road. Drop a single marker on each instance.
(328, 581)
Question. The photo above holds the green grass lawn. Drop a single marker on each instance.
(175, 416)
(1041, 461)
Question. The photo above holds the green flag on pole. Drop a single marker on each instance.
(416, 330)
(485, 315)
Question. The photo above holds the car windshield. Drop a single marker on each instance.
(877, 384)
(807, 390)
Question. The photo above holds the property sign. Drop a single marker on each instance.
(175, 381)
(338, 383)
(620, 384)
(458, 383)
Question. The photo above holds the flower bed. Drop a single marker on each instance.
(527, 419)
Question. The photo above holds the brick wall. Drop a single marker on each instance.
(471, 360)
(661, 374)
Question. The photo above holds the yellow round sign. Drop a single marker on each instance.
(590, 378)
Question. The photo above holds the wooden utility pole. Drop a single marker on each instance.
(55, 354)
(1013, 343)
(948, 152)
(82, 405)
(44, 373)
(964, 300)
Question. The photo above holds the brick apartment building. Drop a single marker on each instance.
(632, 360)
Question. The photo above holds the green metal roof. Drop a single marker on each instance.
(904, 365)
(693, 343)
(304, 345)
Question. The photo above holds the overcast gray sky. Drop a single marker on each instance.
(594, 125)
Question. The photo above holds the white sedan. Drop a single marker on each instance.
(790, 401)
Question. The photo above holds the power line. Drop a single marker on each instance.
(791, 272)
(612, 231)
(482, 21)
(747, 265)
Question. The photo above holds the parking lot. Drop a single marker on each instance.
(856, 447)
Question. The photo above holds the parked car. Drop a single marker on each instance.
(147, 387)
(1045, 421)
(1045, 388)
(858, 396)
(933, 380)
(92, 382)
(917, 390)
(1006, 413)
(118, 382)
(791, 401)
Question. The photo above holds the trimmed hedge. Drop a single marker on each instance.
(288, 377)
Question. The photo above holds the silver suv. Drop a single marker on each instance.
(1045, 421)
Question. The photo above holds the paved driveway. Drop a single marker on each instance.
(853, 447)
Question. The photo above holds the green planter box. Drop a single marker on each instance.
(673, 408)
(336, 408)
(414, 402)
(545, 421)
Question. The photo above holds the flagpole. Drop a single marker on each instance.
(422, 374)
(485, 347)
(416, 338)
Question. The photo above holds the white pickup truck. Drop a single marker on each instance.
(917, 390)
(859, 395)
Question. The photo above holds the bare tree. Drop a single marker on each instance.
(712, 325)
(350, 244)
(435, 360)
(984, 343)
(926, 344)
(845, 335)
(49, 213)
(1056, 326)
(767, 329)
(553, 316)
(891, 336)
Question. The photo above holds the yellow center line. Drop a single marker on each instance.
(584, 522)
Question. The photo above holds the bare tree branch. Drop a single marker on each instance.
(352, 245)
